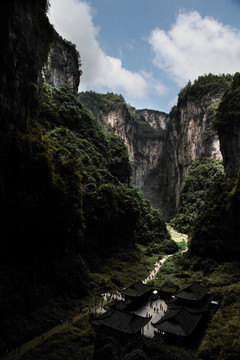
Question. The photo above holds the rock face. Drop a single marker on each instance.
(163, 146)
(190, 136)
(149, 170)
(62, 67)
(25, 43)
(144, 133)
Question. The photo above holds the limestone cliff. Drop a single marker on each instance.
(62, 67)
(163, 146)
(144, 133)
(190, 136)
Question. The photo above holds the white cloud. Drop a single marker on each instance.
(196, 46)
(73, 19)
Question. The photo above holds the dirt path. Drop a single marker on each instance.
(97, 308)
(16, 353)
(154, 272)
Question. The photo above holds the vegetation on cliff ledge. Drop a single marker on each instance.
(196, 185)
(229, 109)
(101, 105)
(204, 85)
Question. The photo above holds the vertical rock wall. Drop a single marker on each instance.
(163, 146)
(190, 136)
(25, 44)
(63, 65)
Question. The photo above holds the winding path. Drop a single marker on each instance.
(16, 353)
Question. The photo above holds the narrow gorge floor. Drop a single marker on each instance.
(154, 309)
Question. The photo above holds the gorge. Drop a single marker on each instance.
(73, 221)
(163, 146)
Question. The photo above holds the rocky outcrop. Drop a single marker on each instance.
(163, 146)
(63, 65)
(144, 133)
(190, 136)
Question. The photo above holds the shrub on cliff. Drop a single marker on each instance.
(203, 86)
(194, 191)
(229, 108)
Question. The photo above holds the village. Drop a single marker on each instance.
(166, 313)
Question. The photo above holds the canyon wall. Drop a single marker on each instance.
(163, 146)
(190, 136)
(63, 65)
(25, 43)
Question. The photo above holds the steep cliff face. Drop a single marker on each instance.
(25, 43)
(191, 136)
(162, 147)
(144, 133)
(62, 67)
(150, 155)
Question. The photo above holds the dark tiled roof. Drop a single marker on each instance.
(121, 321)
(137, 290)
(122, 305)
(179, 322)
(193, 292)
(168, 289)
(199, 307)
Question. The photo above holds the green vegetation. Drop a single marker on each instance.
(65, 187)
(216, 230)
(229, 109)
(195, 188)
(101, 105)
(72, 225)
(221, 339)
(203, 86)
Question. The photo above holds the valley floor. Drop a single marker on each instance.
(74, 338)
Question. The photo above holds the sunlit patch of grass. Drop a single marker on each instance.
(180, 239)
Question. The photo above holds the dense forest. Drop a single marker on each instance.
(72, 224)
(67, 204)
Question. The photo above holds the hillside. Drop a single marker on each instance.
(67, 205)
(75, 226)
(162, 146)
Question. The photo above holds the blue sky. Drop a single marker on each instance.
(147, 50)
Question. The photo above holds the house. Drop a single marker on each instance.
(193, 297)
(120, 323)
(138, 293)
(179, 322)
(193, 292)
(167, 291)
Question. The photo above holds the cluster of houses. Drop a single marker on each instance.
(187, 309)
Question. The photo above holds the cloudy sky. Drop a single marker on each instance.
(147, 50)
